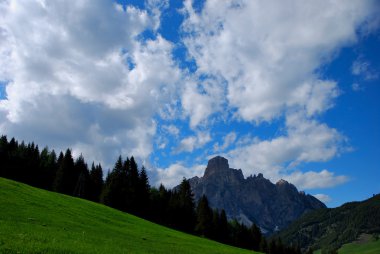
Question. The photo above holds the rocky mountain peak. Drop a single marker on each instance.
(255, 199)
(282, 182)
(216, 165)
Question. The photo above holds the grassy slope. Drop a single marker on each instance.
(38, 221)
(372, 247)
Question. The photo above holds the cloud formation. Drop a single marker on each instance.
(79, 76)
(268, 52)
(323, 197)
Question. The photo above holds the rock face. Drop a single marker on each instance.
(254, 199)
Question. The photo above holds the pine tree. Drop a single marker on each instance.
(131, 186)
(96, 182)
(48, 167)
(143, 193)
(204, 218)
(65, 179)
(256, 237)
(114, 188)
(82, 176)
(186, 207)
(223, 227)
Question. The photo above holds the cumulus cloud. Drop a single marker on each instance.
(305, 141)
(228, 140)
(171, 129)
(268, 65)
(316, 180)
(323, 197)
(268, 71)
(191, 143)
(201, 100)
(79, 76)
(171, 176)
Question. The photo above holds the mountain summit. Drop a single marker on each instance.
(254, 199)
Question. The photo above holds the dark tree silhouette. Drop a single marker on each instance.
(204, 226)
(96, 182)
(65, 179)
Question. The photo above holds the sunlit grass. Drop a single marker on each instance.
(38, 221)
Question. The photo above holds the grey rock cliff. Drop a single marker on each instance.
(254, 199)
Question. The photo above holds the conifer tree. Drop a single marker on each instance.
(81, 173)
(187, 217)
(114, 189)
(143, 200)
(256, 237)
(96, 182)
(65, 178)
(204, 218)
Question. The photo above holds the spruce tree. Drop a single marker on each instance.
(256, 237)
(65, 178)
(96, 182)
(204, 226)
(186, 209)
(82, 186)
(114, 189)
(143, 200)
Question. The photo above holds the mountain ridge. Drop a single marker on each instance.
(329, 228)
(253, 199)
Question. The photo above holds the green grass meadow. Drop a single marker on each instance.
(372, 247)
(38, 221)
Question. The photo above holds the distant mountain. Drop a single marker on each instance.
(330, 228)
(254, 199)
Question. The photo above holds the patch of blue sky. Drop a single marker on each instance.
(136, 3)
(3, 93)
(356, 115)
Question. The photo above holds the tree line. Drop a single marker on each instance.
(126, 188)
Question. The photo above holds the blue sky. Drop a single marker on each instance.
(289, 89)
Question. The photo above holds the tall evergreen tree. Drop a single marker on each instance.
(132, 185)
(48, 167)
(65, 179)
(185, 207)
(204, 226)
(82, 176)
(96, 182)
(256, 237)
(143, 191)
(114, 189)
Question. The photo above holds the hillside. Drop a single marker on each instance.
(38, 221)
(254, 199)
(370, 247)
(331, 228)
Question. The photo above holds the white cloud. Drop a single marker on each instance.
(363, 68)
(323, 197)
(316, 180)
(79, 77)
(171, 129)
(228, 140)
(171, 176)
(191, 143)
(267, 65)
(306, 141)
(201, 100)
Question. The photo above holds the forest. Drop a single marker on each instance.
(126, 187)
